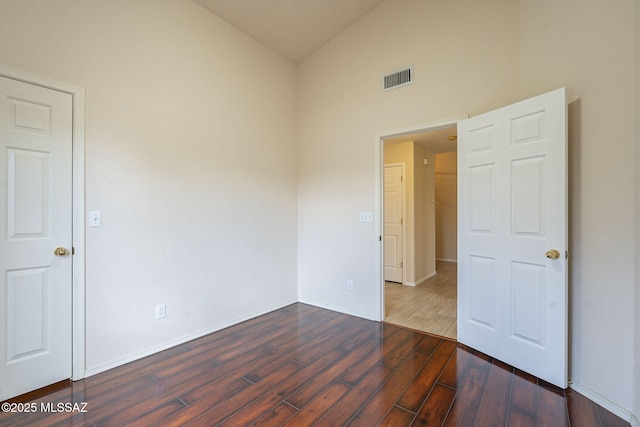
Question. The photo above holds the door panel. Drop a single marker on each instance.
(482, 198)
(27, 323)
(527, 198)
(528, 290)
(512, 299)
(29, 186)
(482, 286)
(36, 212)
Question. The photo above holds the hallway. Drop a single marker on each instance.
(429, 307)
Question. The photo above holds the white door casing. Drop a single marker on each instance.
(512, 209)
(394, 222)
(36, 205)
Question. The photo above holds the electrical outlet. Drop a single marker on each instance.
(350, 285)
(161, 311)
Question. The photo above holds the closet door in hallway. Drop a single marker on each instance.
(393, 222)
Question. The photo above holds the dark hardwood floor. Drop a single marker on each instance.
(303, 365)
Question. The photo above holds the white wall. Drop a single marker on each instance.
(190, 156)
(471, 57)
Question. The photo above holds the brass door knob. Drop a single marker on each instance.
(553, 254)
(61, 251)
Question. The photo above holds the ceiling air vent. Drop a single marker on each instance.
(397, 79)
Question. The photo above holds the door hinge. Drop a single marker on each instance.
(380, 238)
(401, 264)
(401, 221)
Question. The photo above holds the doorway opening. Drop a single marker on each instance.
(424, 297)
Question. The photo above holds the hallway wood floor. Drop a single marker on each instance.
(430, 306)
(302, 366)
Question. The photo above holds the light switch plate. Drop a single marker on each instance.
(366, 216)
(95, 219)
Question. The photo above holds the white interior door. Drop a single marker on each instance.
(512, 216)
(393, 222)
(36, 213)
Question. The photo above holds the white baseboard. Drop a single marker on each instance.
(446, 260)
(149, 352)
(605, 403)
(416, 283)
(339, 310)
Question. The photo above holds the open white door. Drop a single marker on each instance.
(35, 237)
(512, 240)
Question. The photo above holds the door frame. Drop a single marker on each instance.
(78, 204)
(379, 192)
(403, 202)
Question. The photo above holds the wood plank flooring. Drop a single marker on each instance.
(430, 306)
(302, 366)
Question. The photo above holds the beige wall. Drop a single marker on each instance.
(636, 391)
(339, 117)
(470, 57)
(596, 63)
(446, 174)
(425, 214)
(190, 156)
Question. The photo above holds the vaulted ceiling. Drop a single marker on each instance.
(297, 28)
(293, 28)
